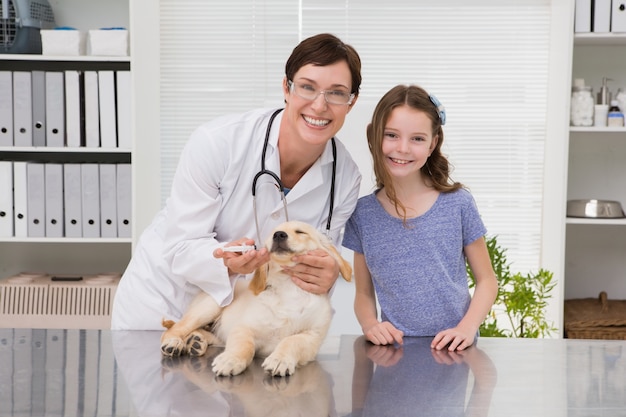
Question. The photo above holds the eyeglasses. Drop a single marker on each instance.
(308, 92)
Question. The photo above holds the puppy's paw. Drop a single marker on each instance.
(173, 346)
(234, 383)
(275, 384)
(196, 344)
(279, 365)
(226, 364)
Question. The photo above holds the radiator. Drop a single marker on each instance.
(31, 300)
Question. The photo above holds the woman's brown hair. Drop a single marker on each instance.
(325, 49)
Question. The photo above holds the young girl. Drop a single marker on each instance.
(411, 237)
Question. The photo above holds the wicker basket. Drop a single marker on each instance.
(595, 318)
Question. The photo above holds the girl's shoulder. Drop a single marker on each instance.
(460, 195)
(368, 201)
(367, 206)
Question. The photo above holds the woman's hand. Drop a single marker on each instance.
(242, 263)
(315, 272)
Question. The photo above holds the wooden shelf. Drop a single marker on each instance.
(65, 58)
(596, 221)
(593, 129)
(600, 39)
(43, 149)
(65, 240)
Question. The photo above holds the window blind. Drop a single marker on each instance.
(486, 60)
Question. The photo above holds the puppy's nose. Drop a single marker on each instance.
(280, 236)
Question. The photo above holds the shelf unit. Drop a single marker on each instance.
(80, 256)
(595, 248)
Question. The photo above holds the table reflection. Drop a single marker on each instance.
(99, 373)
(415, 380)
(186, 386)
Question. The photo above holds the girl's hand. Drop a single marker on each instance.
(456, 338)
(383, 333)
(242, 263)
(384, 355)
(315, 272)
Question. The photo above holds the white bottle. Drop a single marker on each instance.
(621, 99)
(581, 107)
(615, 116)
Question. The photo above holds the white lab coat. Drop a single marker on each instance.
(211, 204)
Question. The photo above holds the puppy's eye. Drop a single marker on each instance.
(300, 232)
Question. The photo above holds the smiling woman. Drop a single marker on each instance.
(213, 201)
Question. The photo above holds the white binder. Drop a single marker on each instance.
(90, 368)
(92, 112)
(73, 376)
(106, 94)
(55, 109)
(72, 109)
(6, 108)
(601, 16)
(107, 375)
(20, 199)
(7, 364)
(90, 185)
(54, 200)
(22, 354)
(39, 108)
(124, 200)
(618, 17)
(22, 109)
(124, 132)
(72, 199)
(38, 363)
(582, 16)
(55, 372)
(35, 189)
(108, 200)
(6, 198)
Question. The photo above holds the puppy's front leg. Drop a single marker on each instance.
(202, 311)
(238, 353)
(293, 351)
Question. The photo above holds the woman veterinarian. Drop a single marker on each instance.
(211, 201)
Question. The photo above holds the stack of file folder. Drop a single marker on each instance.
(65, 109)
(57, 372)
(89, 200)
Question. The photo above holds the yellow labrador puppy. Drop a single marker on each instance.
(269, 315)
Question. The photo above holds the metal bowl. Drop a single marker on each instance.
(600, 209)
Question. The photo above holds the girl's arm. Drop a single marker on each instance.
(485, 292)
(365, 307)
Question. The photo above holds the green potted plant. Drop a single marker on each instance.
(521, 299)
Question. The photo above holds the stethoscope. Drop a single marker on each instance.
(279, 183)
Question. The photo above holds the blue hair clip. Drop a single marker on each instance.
(440, 109)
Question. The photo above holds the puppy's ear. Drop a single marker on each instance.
(258, 283)
(345, 269)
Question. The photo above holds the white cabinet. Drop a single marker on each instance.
(62, 254)
(595, 249)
